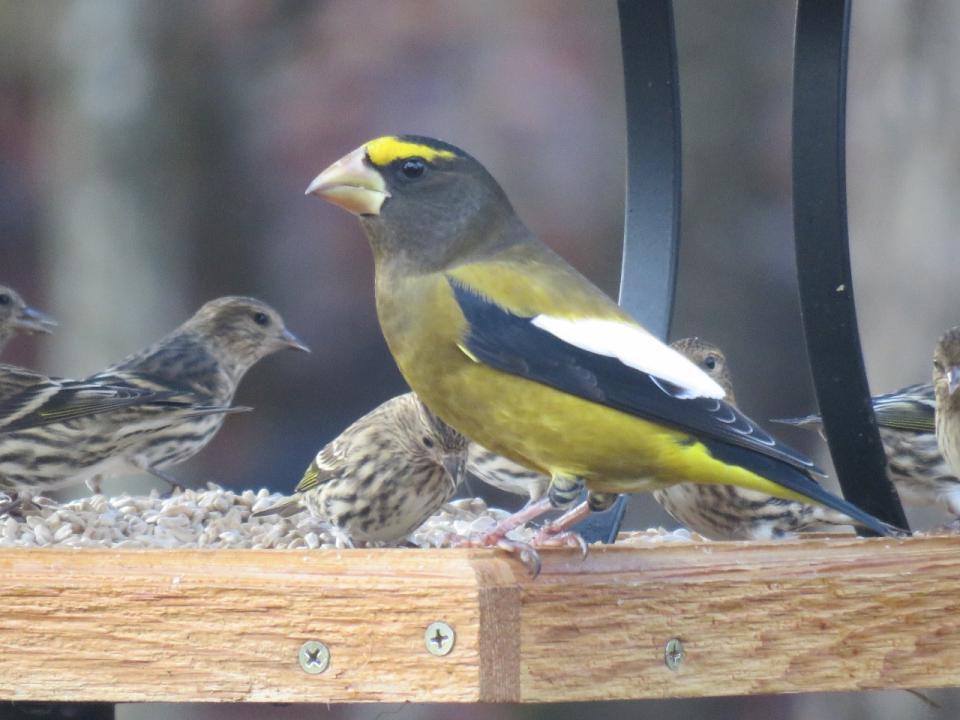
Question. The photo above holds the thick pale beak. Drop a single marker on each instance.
(352, 184)
(953, 379)
(293, 342)
(33, 321)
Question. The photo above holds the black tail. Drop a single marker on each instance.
(795, 480)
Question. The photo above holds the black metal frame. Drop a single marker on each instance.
(651, 233)
(823, 258)
(57, 711)
(652, 217)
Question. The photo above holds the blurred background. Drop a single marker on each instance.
(154, 155)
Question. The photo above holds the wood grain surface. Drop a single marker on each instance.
(226, 626)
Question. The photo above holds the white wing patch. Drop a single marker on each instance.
(636, 348)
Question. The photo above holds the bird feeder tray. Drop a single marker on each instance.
(628, 622)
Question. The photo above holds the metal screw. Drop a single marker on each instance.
(673, 653)
(439, 638)
(314, 657)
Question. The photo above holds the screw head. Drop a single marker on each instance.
(314, 657)
(439, 638)
(673, 653)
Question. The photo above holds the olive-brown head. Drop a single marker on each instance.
(420, 199)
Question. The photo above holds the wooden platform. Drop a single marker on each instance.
(179, 626)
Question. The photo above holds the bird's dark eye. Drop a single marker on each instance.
(710, 361)
(428, 442)
(937, 366)
(413, 168)
(261, 319)
(4, 299)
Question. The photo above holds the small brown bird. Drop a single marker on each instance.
(718, 512)
(16, 316)
(906, 420)
(201, 362)
(946, 383)
(503, 474)
(727, 512)
(383, 476)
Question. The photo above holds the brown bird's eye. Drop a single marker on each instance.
(413, 168)
(261, 319)
(710, 361)
(428, 442)
(4, 299)
(937, 366)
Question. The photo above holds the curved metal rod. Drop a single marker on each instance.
(652, 219)
(823, 258)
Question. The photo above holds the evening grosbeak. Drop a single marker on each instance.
(513, 347)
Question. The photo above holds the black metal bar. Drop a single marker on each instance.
(652, 220)
(823, 258)
(56, 711)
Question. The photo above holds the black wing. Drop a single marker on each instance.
(512, 343)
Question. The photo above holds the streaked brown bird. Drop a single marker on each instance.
(946, 383)
(906, 420)
(201, 363)
(728, 512)
(18, 317)
(383, 476)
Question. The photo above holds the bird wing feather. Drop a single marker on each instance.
(519, 345)
(912, 408)
(29, 399)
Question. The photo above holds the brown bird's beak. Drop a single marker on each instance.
(455, 466)
(32, 320)
(293, 342)
(953, 378)
(352, 184)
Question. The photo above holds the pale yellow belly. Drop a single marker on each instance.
(558, 433)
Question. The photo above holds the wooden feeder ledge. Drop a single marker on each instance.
(672, 620)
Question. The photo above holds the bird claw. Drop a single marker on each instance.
(550, 538)
(524, 552)
(10, 506)
(17, 504)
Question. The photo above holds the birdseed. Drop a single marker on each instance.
(218, 518)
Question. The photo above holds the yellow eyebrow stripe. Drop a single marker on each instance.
(385, 150)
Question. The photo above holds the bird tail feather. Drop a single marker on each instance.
(284, 508)
(805, 421)
(797, 482)
(203, 410)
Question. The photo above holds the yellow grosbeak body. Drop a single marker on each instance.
(514, 348)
